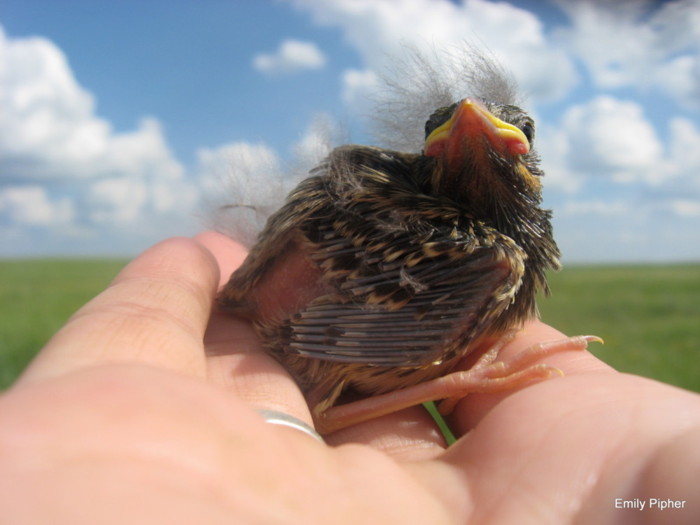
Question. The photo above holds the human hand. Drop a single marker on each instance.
(142, 409)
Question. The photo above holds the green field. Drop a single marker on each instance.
(649, 316)
(36, 298)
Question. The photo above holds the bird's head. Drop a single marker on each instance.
(483, 153)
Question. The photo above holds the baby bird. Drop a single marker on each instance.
(384, 269)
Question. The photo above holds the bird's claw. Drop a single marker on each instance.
(489, 375)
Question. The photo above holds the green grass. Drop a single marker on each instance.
(649, 316)
(37, 297)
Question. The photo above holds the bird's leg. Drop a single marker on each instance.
(487, 375)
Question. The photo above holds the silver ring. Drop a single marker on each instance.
(280, 418)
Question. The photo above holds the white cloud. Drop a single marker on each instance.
(245, 182)
(44, 109)
(116, 200)
(680, 78)
(31, 206)
(638, 44)
(49, 129)
(597, 207)
(611, 137)
(609, 163)
(606, 37)
(291, 56)
(685, 207)
(49, 125)
(605, 162)
(358, 86)
(684, 148)
(52, 143)
(379, 28)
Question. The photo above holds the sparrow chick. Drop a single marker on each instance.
(384, 269)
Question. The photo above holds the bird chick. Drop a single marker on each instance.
(384, 269)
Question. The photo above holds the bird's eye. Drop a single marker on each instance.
(438, 118)
(528, 128)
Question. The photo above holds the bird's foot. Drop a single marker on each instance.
(486, 375)
(490, 375)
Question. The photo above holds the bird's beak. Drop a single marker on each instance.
(469, 126)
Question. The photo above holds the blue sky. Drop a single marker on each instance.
(118, 120)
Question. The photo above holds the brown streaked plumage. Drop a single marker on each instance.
(384, 269)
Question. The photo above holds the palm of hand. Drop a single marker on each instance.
(129, 395)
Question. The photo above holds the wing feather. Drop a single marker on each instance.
(403, 316)
(403, 285)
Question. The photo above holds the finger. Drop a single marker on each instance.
(228, 253)
(238, 362)
(474, 406)
(406, 435)
(571, 439)
(154, 312)
(236, 359)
